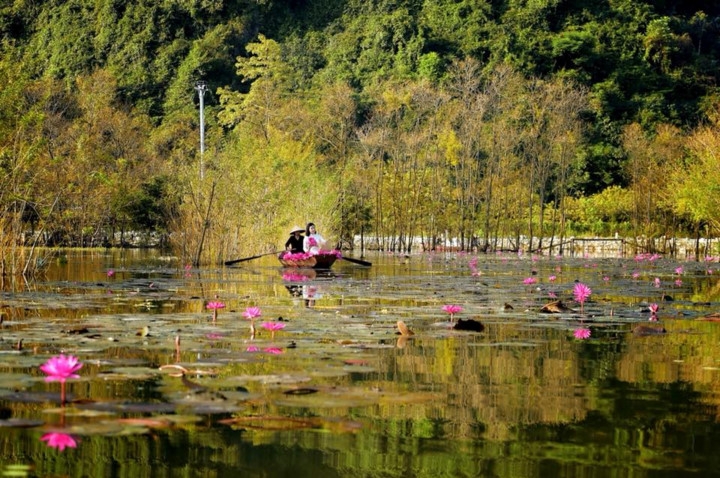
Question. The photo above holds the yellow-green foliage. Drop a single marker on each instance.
(261, 190)
(601, 213)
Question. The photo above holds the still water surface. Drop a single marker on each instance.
(338, 392)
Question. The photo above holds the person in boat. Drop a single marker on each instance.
(313, 241)
(295, 243)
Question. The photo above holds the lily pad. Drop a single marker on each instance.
(271, 423)
(129, 407)
(20, 423)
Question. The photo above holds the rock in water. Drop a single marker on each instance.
(471, 325)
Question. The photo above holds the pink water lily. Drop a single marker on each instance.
(110, 273)
(59, 440)
(473, 266)
(296, 256)
(653, 312)
(582, 333)
(60, 368)
(452, 310)
(273, 327)
(529, 281)
(215, 305)
(581, 292)
(252, 313)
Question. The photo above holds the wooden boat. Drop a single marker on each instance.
(324, 260)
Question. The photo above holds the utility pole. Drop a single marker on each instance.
(201, 88)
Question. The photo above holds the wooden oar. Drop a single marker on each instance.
(356, 261)
(229, 263)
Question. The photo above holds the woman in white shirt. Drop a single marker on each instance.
(313, 241)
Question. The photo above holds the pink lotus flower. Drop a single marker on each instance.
(59, 440)
(452, 310)
(581, 292)
(635, 275)
(110, 273)
(252, 313)
(273, 350)
(679, 270)
(529, 281)
(552, 278)
(678, 282)
(60, 368)
(214, 305)
(656, 282)
(472, 264)
(582, 333)
(606, 278)
(653, 312)
(297, 256)
(273, 327)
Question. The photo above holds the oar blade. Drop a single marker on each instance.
(237, 261)
(357, 261)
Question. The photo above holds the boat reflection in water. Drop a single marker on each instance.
(300, 282)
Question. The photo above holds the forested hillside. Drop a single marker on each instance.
(476, 119)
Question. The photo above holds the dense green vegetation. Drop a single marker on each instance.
(404, 119)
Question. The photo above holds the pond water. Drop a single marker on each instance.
(166, 390)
